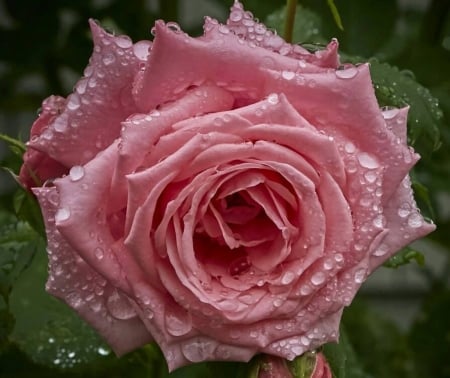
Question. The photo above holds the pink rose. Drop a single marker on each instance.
(224, 195)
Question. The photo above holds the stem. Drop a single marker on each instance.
(290, 20)
(168, 10)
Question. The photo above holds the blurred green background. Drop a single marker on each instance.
(400, 324)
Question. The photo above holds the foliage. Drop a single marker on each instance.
(409, 53)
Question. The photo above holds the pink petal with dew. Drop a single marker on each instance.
(110, 311)
(102, 99)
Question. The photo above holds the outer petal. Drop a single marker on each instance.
(111, 313)
(102, 99)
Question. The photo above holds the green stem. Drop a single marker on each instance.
(168, 10)
(290, 20)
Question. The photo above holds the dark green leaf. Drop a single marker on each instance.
(27, 209)
(16, 146)
(381, 347)
(6, 327)
(306, 28)
(18, 244)
(405, 256)
(399, 88)
(342, 358)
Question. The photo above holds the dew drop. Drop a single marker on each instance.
(236, 16)
(141, 49)
(404, 210)
(99, 253)
(103, 351)
(74, 102)
(119, 306)
(381, 250)
(198, 349)
(173, 26)
(370, 176)
(415, 220)
(76, 173)
(367, 161)
(328, 264)
(60, 124)
(318, 278)
(62, 215)
(347, 73)
(178, 322)
(360, 275)
(273, 99)
(305, 290)
(389, 112)
(287, 277)
(338, 257)
(288, 75)
(108, 59)
(123, 41)
(350, 147)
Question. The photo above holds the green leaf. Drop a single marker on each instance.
(27, 209)
(306, 28)
(16, 146)
(335, 13)
(399, 88)
(6, 327)
(405, 256)
(381, 348)
(342, 358)
(18, 245)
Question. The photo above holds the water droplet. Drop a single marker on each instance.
(305, 290)
(235, 16)
(367, 161)
(141, 49)
(99, 253)
(74, 299)
(360, 275)
(287, 277)
(379, 221)
(404, 210)
(415, 220)
(318, 278)
(338, 257)
(74, 102)
(278, 302)
(328, 264)
(123, 41)
(273, 99)
(178, 322)
(108, 59)
(173, 26)
(103, 351)
(198, 349)
(389, 112)
(119, 306)
(62, 215)
(350, 147)
(347, 73)
(223, 29)
(76, 173)
(60, 124)
(381, 250)
(288, 75)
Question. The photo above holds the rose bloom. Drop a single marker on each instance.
(224, 195)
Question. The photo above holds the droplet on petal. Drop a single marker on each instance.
(62, 214)
(347, 73)
(367, 161)
(198, 349)
(178, 322)
(119, 306)
(76, 173)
